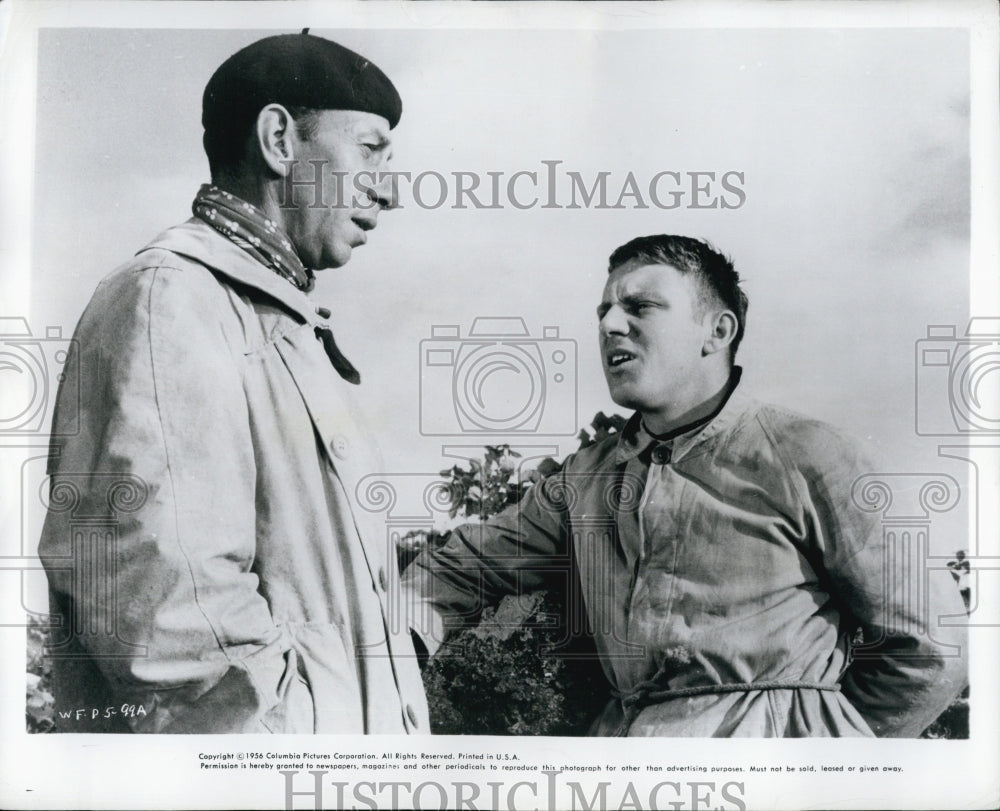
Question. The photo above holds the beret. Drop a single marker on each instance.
(296, 70)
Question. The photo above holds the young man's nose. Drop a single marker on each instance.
(614, 322)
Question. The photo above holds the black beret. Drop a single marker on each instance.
(296, 70)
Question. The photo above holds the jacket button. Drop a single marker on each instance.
(383, 581)
(661, 455)
(411, 714)
(322, 312)
(339, 447)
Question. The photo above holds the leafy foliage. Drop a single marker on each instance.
(604, 426)
(953, 722)
(40, 707)
(530, 692)
(516, 655)
(485, 488)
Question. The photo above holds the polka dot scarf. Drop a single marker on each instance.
(246, 225)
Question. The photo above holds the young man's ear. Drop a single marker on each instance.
(724, 326)
(274, 133)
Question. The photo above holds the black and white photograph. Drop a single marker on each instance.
(412, 404)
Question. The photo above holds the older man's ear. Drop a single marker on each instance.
(275, 133)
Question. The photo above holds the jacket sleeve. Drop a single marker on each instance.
(164, 600)
(519, 550)
(909, 666)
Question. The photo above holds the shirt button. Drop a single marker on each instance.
(339, 447)
(661, 455)
(383, 581)
(322, 312)
(411, 714)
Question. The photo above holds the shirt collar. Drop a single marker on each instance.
(635, 439)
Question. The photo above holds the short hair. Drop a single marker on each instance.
(715, 272)
(227, 148)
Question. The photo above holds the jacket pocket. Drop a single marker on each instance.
(329, 669)
(295, 712)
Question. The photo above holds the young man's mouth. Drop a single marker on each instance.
(618, 357)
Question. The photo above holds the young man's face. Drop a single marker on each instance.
(652, 333)
(344, 144)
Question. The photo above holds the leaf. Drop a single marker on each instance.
(548, 466)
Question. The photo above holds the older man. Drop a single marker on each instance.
(241, 589)
(724, 567)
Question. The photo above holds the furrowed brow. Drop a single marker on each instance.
(630, 300)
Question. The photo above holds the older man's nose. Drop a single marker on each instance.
(383, 193)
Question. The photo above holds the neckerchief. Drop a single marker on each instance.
(247, 226)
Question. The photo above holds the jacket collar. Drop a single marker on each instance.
(200, 242)
(635, 439)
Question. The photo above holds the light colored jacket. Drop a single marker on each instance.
(204, 543)
(734, 554)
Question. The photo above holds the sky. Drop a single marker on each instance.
(852, 144)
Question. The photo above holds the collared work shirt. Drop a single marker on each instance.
(732, 554)
(204, 542)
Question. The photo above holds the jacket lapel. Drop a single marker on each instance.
(345, 446)
(201, 243)
(307, 362)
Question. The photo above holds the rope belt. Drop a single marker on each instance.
(648, 692)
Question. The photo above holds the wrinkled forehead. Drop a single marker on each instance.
(638, 276)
